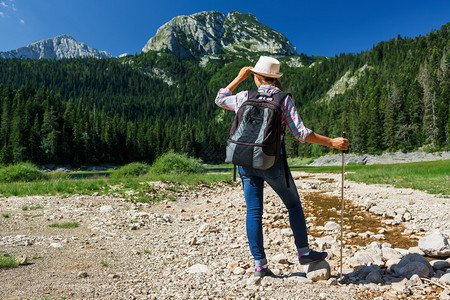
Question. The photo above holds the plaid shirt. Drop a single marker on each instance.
(290, 116)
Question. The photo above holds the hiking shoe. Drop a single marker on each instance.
(261, 272)
(312, 257)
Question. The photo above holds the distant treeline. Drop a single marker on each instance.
(118, 110)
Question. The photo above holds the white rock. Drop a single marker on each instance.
(56, 245)
(416, 250)
(390, 253)
(199, 268)
(280, 259)
(239, 271)
(445, 278)
(318, 271)
(106, 208)
(360, 259)
(207, 228)
(435, 244)
(286, 232)
(332, 226)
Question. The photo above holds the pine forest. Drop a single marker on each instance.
(395, 97)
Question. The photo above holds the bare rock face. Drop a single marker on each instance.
(210, 33)
(60, 47)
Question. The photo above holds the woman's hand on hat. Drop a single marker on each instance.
(244, 72)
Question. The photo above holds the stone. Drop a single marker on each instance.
(445, 278)
(389, 253)
(22, 259)
(56, 245)
(253, 281)
(408, 260)
(300, 279)
(106, 208)
(82, 274)
(207, 228)
(440, 264)
(360, 259)
(286, 232)
(332, 226)
(199, 268)
(318, 271)
(416, 250)
(325, 242)
(374, 277)
(416, 279)
(232, 265)
(435, 244)
(412, 268)
(391, 262)
(280, 259)
(332, 281)
(239, 271)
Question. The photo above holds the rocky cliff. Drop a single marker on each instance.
(210, 33)
(63, 46)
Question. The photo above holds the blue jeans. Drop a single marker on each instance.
(253, 185)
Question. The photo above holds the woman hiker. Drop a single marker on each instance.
(266, 74)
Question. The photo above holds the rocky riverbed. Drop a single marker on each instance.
(195, 247)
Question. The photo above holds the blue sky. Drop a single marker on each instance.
(315, 27)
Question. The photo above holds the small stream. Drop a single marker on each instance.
(356, 219)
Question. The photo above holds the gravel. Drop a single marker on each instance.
(194, 247)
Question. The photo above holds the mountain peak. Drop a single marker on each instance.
(210, 33)
(59, 47)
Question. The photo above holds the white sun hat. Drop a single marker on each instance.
(267, 66)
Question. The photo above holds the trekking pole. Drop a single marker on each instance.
(342, 207)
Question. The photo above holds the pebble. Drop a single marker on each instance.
(199, 268)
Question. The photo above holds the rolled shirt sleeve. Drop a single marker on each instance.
(227, 100)
(293, 120)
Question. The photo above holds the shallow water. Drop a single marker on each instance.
(356, 219)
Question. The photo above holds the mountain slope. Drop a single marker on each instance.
(210, 33)
(60, 47)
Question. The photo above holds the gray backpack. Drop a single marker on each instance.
(256, 136)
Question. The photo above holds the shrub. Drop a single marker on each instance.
(174, 163)
(131, 170)
(24, 172)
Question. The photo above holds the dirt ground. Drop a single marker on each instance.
(125, 250)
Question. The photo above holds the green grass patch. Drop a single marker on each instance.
(174, 163)
(8, 262)
(21, 172)
(432, 177)
(64, 225)
(31, 207)
(131, 170)
(5, 215)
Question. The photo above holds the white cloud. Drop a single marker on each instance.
(2, 3)
(2, 14)
(21, 21)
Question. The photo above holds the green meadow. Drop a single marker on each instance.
(432, 177)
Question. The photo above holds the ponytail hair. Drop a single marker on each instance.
(273, 82)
